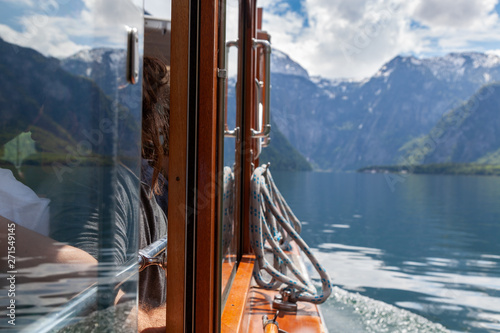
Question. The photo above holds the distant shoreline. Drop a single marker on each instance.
(437, 169)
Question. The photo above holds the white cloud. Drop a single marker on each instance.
(456, 13)
(353, 38)
(159, 8)
(494, 52)
(99, 23)
(51, 42)
(348, 38)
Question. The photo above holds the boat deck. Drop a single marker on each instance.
(307, 319)
(248, 303)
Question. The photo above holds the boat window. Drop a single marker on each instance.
(160, 9)
(230, 100)
(70, 136)
(156, 114)
(157, 37)
(157, 29)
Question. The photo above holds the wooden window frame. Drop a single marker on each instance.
(193, 293)
(194, 108)
(177, 217)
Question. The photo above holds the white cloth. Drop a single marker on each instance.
(21, 205)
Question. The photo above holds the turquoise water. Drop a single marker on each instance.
(420, 256)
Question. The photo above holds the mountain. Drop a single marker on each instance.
(345, 124)
(55, 105)
(101, 64)
(281, 63)
(51, 97)
(468, 134)
(106, 67)
(282, 155)
(339, 124)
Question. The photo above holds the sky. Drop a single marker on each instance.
(60, 28)
(354, 38)
(330, 38)
(158, 8)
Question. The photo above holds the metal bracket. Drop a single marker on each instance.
(221, 73)
(235, 133)
(285, 300)
(160, 260)
(266, 142)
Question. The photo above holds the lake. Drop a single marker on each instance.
(424, 247)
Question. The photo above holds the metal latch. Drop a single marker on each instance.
(145, 261)
(285, 300)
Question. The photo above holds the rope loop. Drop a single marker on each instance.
(273, 226)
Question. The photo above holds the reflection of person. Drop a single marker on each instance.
(80, 193)
(155, 127)
(76, 198)
(21, 205)
(155, 146)
(26, 216)
(76, 209)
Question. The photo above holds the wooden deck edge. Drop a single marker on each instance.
(247, 303)
(307, 319)
(233, 315)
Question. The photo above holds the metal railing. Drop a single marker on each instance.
(85, 302)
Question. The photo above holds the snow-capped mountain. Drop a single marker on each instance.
(98, 55)
(65, 100)
(106, 67)
(281, 63)
(452, 67)
(100, 62)
(345, 124)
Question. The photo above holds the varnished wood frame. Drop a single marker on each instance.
(227, 269)
(234, 318)
(235, 314)
(193, 306)
(249, 12)
(177, 213)
(205, 294)
(207, 281)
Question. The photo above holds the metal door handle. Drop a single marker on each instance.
(132, 56)
(265, 129)
(236, 131)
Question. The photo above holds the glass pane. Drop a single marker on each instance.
(69, 163)
(158, 8)
(155, 155)
(230, 210)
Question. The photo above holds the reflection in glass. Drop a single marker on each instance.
(158, 8)
(231, 174)
(69, 161)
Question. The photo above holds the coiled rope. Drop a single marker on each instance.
(272, 227)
